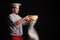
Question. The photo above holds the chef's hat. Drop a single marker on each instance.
(16, 5)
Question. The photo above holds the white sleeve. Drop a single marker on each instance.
(14, 18)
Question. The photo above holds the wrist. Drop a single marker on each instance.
(24, 18)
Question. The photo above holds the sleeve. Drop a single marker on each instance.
(14, 18)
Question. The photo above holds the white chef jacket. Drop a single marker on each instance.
(16, 30)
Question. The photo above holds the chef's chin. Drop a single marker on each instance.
(16, 13)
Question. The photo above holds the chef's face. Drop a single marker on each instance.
(16, 10)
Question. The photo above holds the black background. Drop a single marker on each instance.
(44, 25)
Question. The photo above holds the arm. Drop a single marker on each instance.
(30, 17)
(27, 21)
(17, 20)
(20, 21)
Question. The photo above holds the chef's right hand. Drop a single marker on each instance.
(26, 18)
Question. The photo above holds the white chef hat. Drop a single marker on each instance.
(16, 5)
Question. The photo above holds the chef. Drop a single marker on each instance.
(16, 22)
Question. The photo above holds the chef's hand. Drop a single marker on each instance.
(27, 18)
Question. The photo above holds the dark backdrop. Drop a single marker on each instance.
(44, 23)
